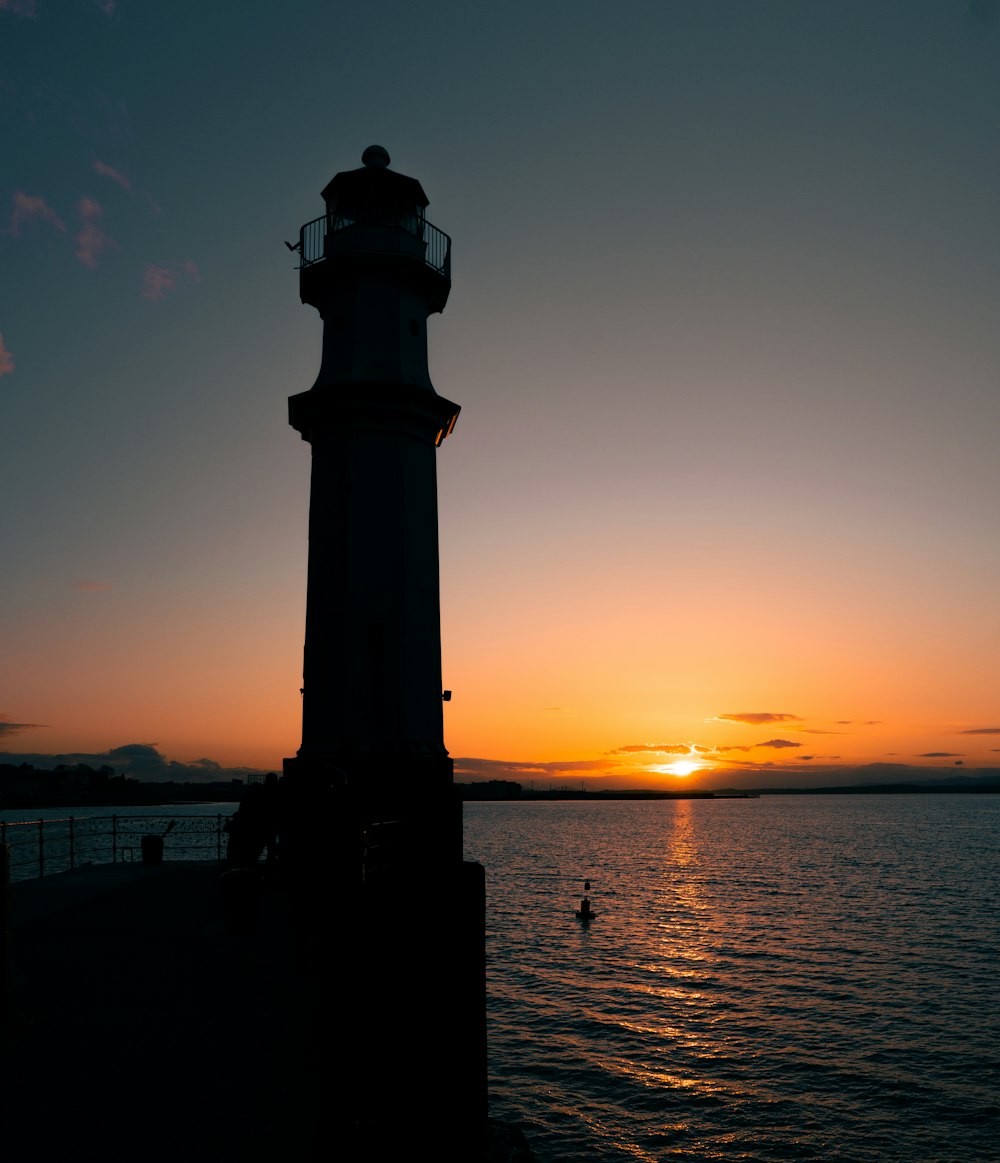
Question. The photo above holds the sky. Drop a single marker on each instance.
(721, 506)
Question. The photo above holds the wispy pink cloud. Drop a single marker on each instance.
(91, 585)
(107, 171)
(6, 359)
(91, 241)
(107, 6)
(27, 207)
(26, 8)
(158, 282)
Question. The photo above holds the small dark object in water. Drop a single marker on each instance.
(585, 912)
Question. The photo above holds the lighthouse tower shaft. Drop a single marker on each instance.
(372, 666)
(376, 269)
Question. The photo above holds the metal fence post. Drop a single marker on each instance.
(41, 847)
(218, 836)
(72, 849)
(114, 839)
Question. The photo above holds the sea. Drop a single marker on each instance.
(799, 977)
(790, 977)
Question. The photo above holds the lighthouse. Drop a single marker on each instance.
(374, 827)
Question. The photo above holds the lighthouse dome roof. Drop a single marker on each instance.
(373, 187)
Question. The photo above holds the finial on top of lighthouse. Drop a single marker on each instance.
(376, 155)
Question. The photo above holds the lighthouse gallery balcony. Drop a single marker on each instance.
(376, 233)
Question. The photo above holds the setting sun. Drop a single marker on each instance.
(681, 767)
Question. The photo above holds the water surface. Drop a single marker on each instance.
(804, 977)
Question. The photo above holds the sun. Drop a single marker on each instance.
(680, 767)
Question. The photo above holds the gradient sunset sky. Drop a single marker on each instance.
(724, 329)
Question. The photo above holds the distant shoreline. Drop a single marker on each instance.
(27, 788)
(470, 792)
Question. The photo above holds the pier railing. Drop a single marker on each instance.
(40, 847)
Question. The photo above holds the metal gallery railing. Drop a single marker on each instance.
(376, 233)
(40, 847)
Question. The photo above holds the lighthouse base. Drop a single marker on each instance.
(390, 924)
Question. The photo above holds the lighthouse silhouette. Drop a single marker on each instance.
(372, 841)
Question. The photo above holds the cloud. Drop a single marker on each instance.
(208, 765)
(981, 731)
(521, 769)
(138, 753)
(658, 748)
(817, 731)
(91, 585)
(24, 8)
(776, 743)
(91, 241)
(6, 359)
(27, 207)
(107, 171)
(158, 281)
(938, 754)
(8, 728)
(859, 722)
(756, 718)
(107, 6)
(695, 749)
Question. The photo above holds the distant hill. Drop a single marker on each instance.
(25, 786)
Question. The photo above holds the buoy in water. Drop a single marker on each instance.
(585, 912)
